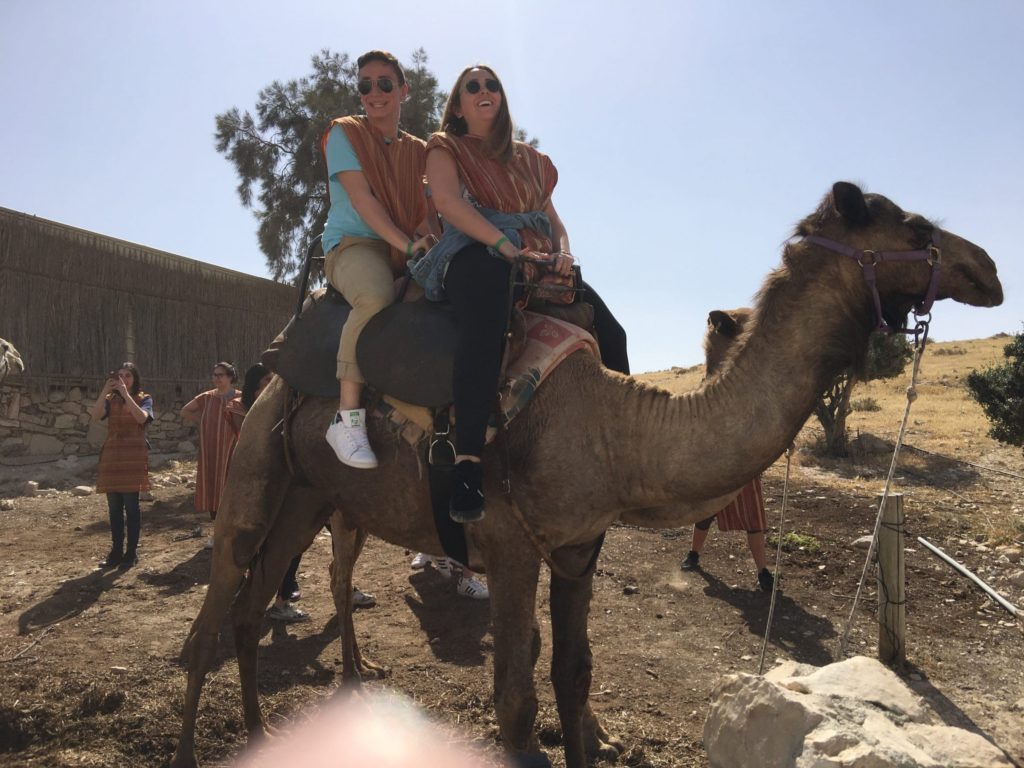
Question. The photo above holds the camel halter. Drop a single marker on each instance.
(867, 259)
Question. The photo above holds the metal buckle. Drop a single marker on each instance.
(936, 255)
(865, 255)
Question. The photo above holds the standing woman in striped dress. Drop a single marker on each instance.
(217, 438)
(123, 470)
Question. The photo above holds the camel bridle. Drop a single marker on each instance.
(868, 259)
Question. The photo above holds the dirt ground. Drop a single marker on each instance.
(89, 660)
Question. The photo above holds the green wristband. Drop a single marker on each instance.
(497, 245)
(408, 250)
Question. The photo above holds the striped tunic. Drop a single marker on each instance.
(524, 184)
(124, 459)
(746, 511)
(217, 438)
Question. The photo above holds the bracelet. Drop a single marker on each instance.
(408, 250)
(501, 241)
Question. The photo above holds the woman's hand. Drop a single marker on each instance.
(562, 263)
(120, 388)
(424, 244)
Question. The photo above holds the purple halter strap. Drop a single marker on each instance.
(868, 259)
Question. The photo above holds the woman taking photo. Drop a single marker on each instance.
(494, 194)
(123, 470)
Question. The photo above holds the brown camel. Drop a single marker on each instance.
(594, 448)
(10, 360)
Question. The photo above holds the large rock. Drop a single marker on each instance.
(855, 713)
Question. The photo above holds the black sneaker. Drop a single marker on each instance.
(766, 580)
(691, 562)
(130, 560)
(112, 560)
(467, 503)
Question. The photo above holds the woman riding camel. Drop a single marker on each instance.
(375, 180)
(494, 194)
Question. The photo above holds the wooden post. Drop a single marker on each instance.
(892, 609)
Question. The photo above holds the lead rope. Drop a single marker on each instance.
(778, 563)
(921, 338)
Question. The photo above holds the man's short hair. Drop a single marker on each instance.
(385, 58)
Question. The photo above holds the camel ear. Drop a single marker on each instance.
(849, 202)
(722, 322)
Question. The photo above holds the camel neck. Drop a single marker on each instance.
(706, 444)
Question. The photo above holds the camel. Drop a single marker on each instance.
(10, 360)
(593, 448)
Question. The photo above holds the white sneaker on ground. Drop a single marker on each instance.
(347, 436)
(443, 566)
(361, 599)
(421, 561)
(287, 613)
(471, 586)
(209, 543)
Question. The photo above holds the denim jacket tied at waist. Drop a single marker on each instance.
(429, 271)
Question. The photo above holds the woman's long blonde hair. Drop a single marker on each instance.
(498, 145)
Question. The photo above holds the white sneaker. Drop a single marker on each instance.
(443, 566)
(471, 586)
(420, 562)
(347, 436)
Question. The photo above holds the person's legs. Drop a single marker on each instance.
(477, 286)
(289, 589)
(700, 535)
(362, 274)
(755, 540)
(115, 512)
(134, 518)
(611, 337)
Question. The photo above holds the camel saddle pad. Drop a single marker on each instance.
(406, 350)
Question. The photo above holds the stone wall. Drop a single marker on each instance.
(45, 419)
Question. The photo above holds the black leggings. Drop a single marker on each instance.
(611, 337)
(119, 507)
(477, 287)
(288, 583)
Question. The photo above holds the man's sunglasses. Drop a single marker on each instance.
(386, 85)
(492, 86)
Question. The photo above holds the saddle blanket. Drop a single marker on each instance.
(547, 343)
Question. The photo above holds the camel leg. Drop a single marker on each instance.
(303, 514)
(572, 662)
(347, 543)
(513, 587)
(200, 648)
(255, 488)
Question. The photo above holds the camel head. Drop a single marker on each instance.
(724, 326)
(10, 360)
(870, 225)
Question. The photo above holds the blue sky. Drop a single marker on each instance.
(689, 137)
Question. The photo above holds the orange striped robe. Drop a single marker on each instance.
(124, 459)
(524, 184)
(746, 511)
(394, 171)
(217, 440)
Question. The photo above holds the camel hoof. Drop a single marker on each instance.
(182, 761)
(532, 760)
(369, 669)
(606, 751)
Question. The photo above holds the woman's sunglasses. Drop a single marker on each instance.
(386, 85)
(492, 86)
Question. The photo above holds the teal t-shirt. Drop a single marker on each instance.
(342, 219)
